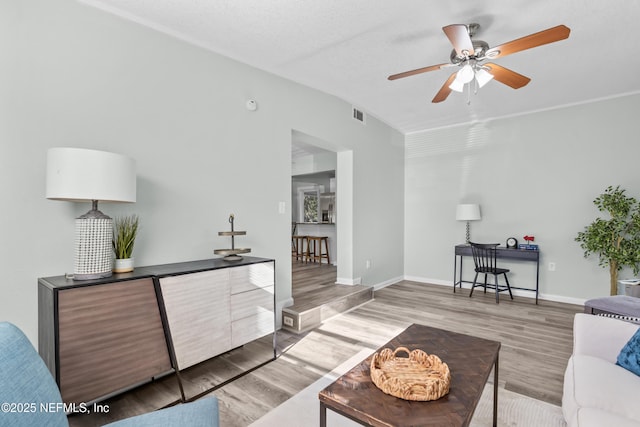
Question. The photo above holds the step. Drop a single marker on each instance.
(304, 316)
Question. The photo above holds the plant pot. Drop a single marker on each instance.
(629, 287)
(123, 265)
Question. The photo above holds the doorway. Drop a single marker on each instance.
(321, 205)
(314, 178)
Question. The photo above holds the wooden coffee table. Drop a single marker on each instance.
(470, 361)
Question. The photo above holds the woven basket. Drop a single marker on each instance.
(419, 377)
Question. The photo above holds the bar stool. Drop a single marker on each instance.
(314, 249)
(298, 246)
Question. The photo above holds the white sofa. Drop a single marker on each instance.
(597, 392)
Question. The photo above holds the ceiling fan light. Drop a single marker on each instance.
(465, 75)
(483, 77)
(456, 85)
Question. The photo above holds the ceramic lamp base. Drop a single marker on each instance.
(93, 250)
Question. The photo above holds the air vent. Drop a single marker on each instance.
(359, 115)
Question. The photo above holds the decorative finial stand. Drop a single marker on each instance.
(233, 253)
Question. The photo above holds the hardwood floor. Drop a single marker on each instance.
(314, 284)
(536, 344)
(317, 297)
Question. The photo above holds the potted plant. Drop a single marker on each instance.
(124, 236)
(616, 240)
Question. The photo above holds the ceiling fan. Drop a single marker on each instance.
(469, 55)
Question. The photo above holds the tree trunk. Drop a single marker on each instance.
(613, 271)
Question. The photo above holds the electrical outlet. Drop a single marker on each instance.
(288, 321)
(552, 266)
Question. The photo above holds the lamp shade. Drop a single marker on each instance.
(468, 212)
(483, 77)
(78, 174)
(457, 85)
(466, 73)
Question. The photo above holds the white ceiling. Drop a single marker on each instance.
(348, 48)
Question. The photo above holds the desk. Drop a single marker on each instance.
(501, 253)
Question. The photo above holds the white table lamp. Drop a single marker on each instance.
(80, 175)
(468, 212)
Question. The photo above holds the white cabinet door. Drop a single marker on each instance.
(198, 313)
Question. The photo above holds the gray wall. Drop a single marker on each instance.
(76, 76)
(534, 174)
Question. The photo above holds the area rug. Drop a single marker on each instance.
(302, 410)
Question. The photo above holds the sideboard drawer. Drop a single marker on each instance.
(249, 304)
(250, 277)
(251, 328)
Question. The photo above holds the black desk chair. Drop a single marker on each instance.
(484, 257)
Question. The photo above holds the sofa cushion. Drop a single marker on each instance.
(590, 417)
(622, 305)
(594, 383)
(629, 357)
(601, 337)
(201, 413)
(26, 385)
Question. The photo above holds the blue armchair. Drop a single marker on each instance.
(30, 397)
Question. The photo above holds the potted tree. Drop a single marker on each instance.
(615, 240)
(124, 236)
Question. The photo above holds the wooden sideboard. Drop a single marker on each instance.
(99, 337)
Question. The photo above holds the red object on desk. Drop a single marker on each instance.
(529, 238)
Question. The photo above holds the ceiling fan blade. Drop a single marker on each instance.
(445, 90)
(417, 71)
(458, 35)
(551, 35)
(506, 76)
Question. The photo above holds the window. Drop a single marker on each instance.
(309, 203)
(310, 206)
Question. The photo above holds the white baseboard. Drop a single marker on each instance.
(386, 283)
(344, 281)
(561, 298)
(377, 286)
(284, 303)
(432, 281)
(517, 292)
